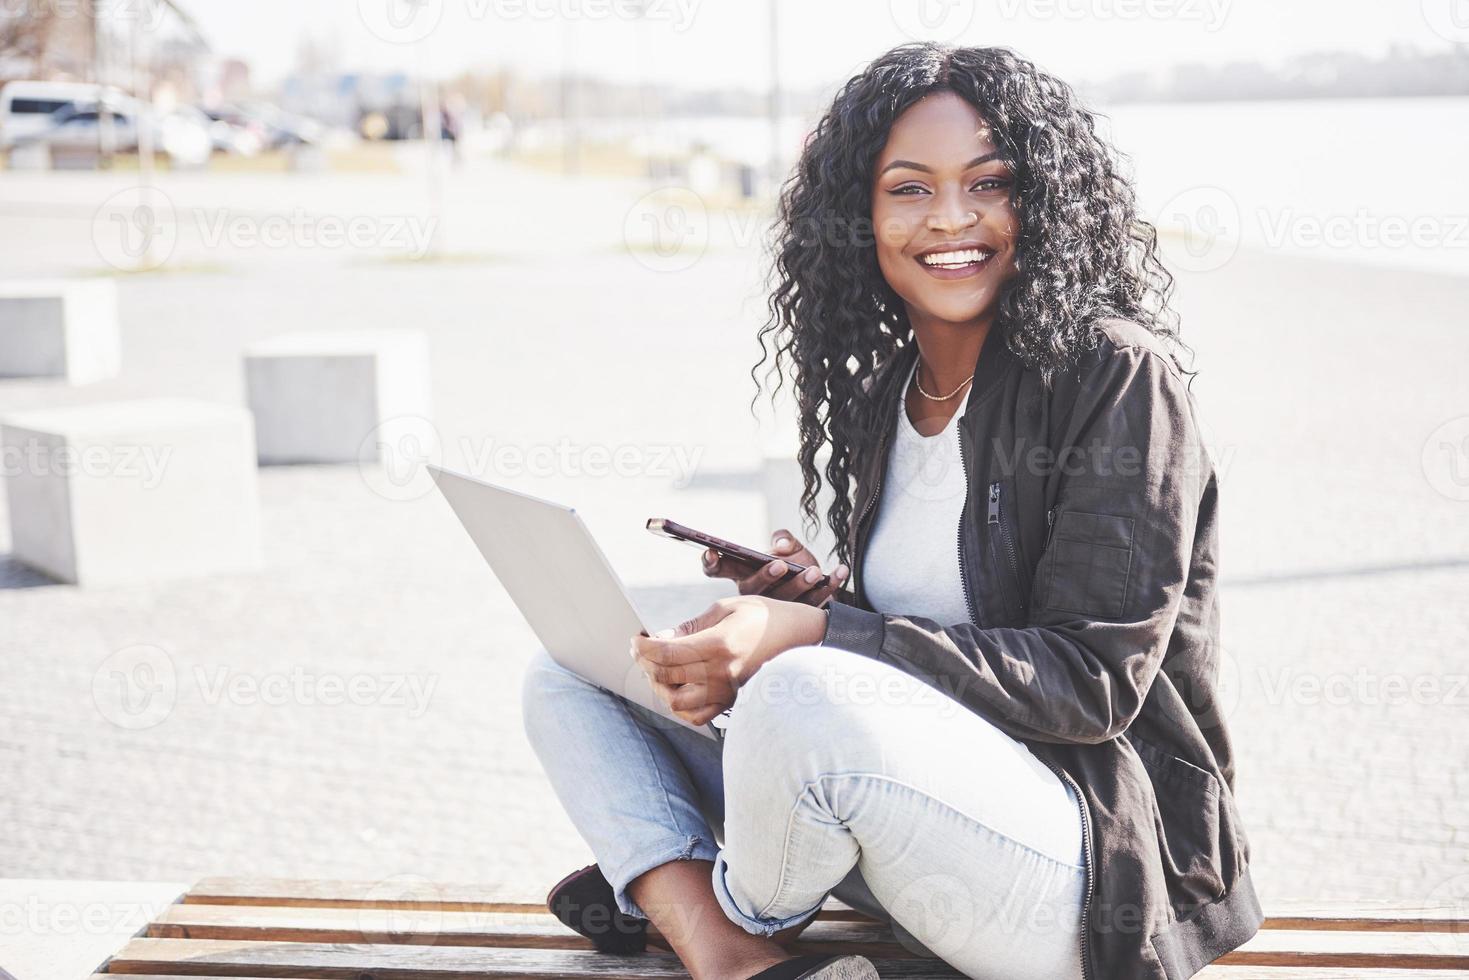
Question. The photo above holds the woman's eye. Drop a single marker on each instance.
(991, 184)
(908, 189)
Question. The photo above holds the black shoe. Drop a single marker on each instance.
(584, 902)
(819, 966)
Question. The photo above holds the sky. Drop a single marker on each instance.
(697, 43)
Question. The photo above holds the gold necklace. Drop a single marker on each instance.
(938, 398)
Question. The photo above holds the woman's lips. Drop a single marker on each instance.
(959, 264)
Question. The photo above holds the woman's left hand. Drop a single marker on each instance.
(698, 667)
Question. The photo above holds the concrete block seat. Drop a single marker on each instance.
(59, 328)
(336, 396)
(123, 492)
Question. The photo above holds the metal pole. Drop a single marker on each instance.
(106, 137)
(570, 134)
(775, 163)
(431, 125)
(143, 128)
(645, 123)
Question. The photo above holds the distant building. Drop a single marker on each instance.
(374, 105)
(137, 47)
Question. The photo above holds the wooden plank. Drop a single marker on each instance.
(1314, 973)
(401, 893)
(415, 893)
(1340, 950)
(421, 926)
(319, 961)
(391, 893)
(1367, 916)
(1311, 937)
(1208, 973)
(425, 926)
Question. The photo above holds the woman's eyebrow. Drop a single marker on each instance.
(910, 165)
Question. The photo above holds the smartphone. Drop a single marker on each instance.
(728, 549)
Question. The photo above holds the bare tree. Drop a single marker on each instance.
(24, 34)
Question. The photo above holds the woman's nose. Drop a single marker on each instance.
(951, 216)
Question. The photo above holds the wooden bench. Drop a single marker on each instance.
(239, 927)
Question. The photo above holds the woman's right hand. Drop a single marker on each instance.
(767, 580)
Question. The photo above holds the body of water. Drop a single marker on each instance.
(1367, 180)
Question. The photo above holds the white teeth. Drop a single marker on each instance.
(956, 259)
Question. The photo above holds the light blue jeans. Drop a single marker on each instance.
(837, 775)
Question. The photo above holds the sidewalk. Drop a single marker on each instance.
(1343, 567)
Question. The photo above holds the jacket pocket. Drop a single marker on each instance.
(1187, 817)
(1091, 563)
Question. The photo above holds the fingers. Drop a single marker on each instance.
(717, 566)
(793, 588)
(689, 643)
(709, 617)
(765, 580)
(749, 580)
(673, 675)
(811, 587)
(657, 650)
(757, 581)
(784, 544)
(688, 697)
(690, 702)
(819, 596)
(688, 666)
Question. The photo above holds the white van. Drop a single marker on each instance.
(26, 107)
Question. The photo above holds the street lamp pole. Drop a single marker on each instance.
(774, 109)
(430, 113)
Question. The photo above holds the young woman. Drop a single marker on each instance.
(1000, 731)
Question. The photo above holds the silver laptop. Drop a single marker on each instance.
(553, 570)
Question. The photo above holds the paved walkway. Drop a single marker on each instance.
(1346, 565)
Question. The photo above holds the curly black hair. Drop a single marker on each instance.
(1082, 251)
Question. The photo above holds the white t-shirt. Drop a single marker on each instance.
(911, 564)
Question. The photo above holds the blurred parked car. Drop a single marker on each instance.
(77, 129)
(235, 131)
(286, 128)
(27, 107)
(184, 134)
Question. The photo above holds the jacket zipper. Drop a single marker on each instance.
(1088, 854)
(963, 509)
(1089, 858)
(857, 536)
(1065, 777)
(1086, 823)
(994, 520)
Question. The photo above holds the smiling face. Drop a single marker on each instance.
(941, 207)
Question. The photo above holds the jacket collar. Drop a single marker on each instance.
(995, 362)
